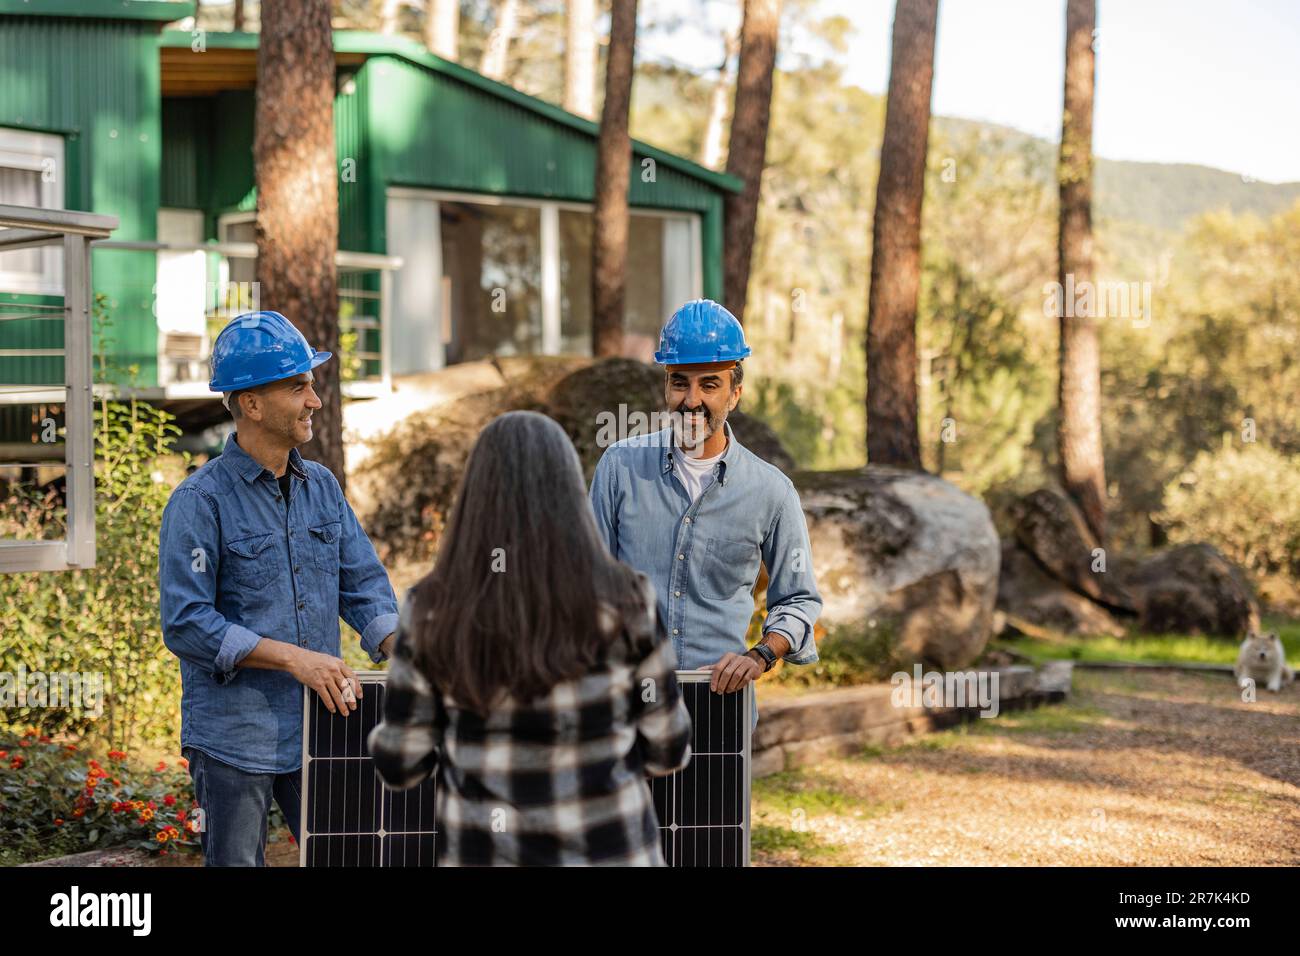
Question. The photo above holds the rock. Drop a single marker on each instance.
(1027, 593)
(403, 483)
(906, 551)
(1193, 589)
(1050, 527)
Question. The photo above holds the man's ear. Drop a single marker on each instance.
(735, 400)
(253, 409)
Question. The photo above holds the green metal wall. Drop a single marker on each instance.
(96, 83)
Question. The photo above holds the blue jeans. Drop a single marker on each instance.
(235, 805)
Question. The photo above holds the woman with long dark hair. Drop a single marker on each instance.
(531, 671)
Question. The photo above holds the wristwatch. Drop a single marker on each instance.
(768, 655)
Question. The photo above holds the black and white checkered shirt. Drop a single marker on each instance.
(559, 780)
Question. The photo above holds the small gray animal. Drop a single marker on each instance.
(1263, 660)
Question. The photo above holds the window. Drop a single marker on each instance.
(31, 174)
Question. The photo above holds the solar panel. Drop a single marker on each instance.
(703, 809)
(350, 818)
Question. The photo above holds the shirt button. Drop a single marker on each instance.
(674, 630)
(677, 594)
(297, 570)
(291, 532)
(277, 497)
(688, 520)
(301, 605)
(681, 557)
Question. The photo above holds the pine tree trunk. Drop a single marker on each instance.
(239, 16)
(613, 165)
(747, 148)
(713, 150)
(1078, 435)
(496, 52)
(442, 28)
(297, 195)
(892, 431)
(580, 58)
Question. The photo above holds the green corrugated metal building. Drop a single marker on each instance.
(481, 191)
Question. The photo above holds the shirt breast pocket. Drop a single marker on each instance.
(728, 567)
(325, 545)
(251, 560)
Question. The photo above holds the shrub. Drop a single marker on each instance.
(1244, 501)
(57, 799)
(103, 620)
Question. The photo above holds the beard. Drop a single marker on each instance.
(691, 437)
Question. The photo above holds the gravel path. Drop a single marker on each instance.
(1139, 768)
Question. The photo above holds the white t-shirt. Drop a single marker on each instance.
(695, 473)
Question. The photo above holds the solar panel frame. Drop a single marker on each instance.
(378, 844)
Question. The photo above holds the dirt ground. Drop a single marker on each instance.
(1137, 768)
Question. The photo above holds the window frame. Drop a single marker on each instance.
(31, 151)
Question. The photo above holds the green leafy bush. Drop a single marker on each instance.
(1243, 500)
(102, 621)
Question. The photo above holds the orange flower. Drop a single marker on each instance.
(116, 782)
(31, 732)
(192, 826)
(146, 816)
(185, 764)
(161, 836)
(92, 764)
(116, 755)
(58, 821)
(162, 765)
(4, 754)
(79, 812)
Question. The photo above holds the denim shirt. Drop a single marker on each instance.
(236, 565)
(703, 557)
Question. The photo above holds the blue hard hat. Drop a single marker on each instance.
(257, 348)
(701, 331)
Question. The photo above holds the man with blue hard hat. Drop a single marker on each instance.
(697, 512)
(259, 556)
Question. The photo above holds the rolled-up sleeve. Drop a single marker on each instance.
(603, 502)
(366, 599)
(189, 557)
(406, 743)
(793, 603)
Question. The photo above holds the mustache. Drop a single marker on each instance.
(702, 410)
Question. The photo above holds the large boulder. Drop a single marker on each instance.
(905, 551)
(1193, 589)
(1050, 527)
(1029, 594)
(404, 482)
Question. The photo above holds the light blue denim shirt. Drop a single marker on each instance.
(703, 557)
(235, 565)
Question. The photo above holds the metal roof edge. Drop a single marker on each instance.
(375, 44)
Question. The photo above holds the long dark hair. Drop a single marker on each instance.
(513, 603)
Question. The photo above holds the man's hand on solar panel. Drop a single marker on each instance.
(733, 672)
(328, 676)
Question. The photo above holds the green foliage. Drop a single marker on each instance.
(846, 656)
(103, 620)
(56, 799)
(1245, 500)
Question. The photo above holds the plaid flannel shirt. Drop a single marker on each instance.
(559, 780)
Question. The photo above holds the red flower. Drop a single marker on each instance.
(31, 732)
(180, 815)
(116, 782)
(169, 800)
(44, 740)
(79, 812)
(70, 748)
(4, 755)
(292, 841)
(16, 763)
(162, 765)
(58, 821)
(92, 764)
(24, 742)
(152, 805)
(185, 764)
(116, 755)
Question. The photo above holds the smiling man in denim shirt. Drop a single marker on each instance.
(696, 511)
(260, 554)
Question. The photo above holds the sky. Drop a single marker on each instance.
(1212, 82)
